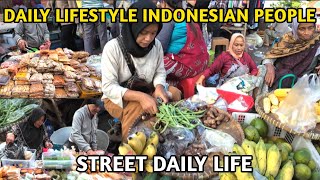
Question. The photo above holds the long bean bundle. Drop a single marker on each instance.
(174, 116)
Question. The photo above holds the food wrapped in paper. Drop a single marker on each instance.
(17, 82)
(58, 80)
(84, 68)
(68, 68)
(49, 89)
(4, 72)
(34, 62)
(36, 78)
(87, 83)
(23, 70)
(60, 52)
(36, 88)
(47, 76)
(22, 76)
(9, 63)
(5, 91)
(71, 87)
(24, 62)
(70, 75)
(32, 70)
(80, 55)
(74, 63)
(54, 56)
(60, 93)
(20, 90)
(72, 94)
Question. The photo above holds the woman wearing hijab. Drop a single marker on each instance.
(232, 63)
(32, 133)
(297, 53)
(135, 52)
(185, 50)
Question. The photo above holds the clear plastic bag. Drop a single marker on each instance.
(297, 110)
(222, 142)
(176, 141)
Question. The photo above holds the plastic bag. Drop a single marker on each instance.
(300, 114)
(176, 141)
(207, 94)
(241, 84)
(221, 104)
(222, 142)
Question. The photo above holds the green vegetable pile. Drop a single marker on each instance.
(174, 116)
(13, 110)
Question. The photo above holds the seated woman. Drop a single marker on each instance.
(135, 53)
(235, 62)
(298, 54)
(32, 134)
(185, 50)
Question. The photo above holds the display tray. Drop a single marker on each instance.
(231, 127)
(273, 119)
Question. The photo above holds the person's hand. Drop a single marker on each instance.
(161, 93)
(318, 69)
(91, 152)
(200, 81)
(22, 44)
(10, 138)
(48, 145)
(270, 75)
(148, 104)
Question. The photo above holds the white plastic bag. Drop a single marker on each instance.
(297, 110)
(222, 142)
(207, 94)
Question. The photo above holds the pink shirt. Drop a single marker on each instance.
(224, 61)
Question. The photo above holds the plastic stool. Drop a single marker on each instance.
(216, 41)
(294, 77)
(188, 85)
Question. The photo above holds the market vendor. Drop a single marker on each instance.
(304, 61)
(84, 127)
(33, 35)
(127, 100)
(32, 133)
(9, 139)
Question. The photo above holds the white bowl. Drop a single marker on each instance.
(237, 24)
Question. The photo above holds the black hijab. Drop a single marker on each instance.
(130, 31)
(32, 135)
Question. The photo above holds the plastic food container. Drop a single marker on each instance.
(57, 160)
(20, 163)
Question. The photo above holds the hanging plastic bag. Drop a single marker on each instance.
(297, 110)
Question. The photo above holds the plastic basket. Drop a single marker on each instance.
(20, 163)
(297, 142)
(56, 160)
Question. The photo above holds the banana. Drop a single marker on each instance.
(227, 176)
(149, 166)
(238, 150)
(150, 151)
(243, 175)
(142, 137)
(261, 153)
(287, 172)
(135, 144)
(125, 149)
(154, 138)
(249, 149)
(273, 161)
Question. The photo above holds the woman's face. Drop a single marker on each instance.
(238, 46)
(147, 35)
(39, 122)
(305, 31)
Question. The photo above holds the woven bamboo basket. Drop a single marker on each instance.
(273, 119)
(231, 127)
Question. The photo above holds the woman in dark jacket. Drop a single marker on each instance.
(32, 133)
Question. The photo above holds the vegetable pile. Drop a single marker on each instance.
(174, 116)
(13, 110)
(213, 118)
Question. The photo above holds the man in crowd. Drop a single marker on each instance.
(84, 127)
